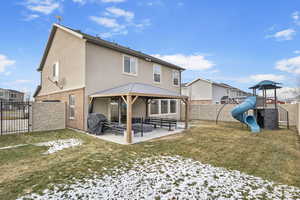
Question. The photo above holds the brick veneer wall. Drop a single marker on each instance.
(78, 122)
(48, 116)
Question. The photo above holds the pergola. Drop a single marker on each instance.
(129, 93)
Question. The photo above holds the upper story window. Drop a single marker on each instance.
(175, 77)
(156, 73)
(129, 65)
(55, 71)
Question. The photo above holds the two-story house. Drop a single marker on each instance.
(203, 91)
(11, 95)
(89, 73)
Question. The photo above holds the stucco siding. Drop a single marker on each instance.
(104, 70)
(200, 90)
(69, 52)
(218, 93)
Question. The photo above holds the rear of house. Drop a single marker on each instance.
(76, 65)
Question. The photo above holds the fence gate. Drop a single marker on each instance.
(15, 117)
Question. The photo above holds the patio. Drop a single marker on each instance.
(129, 94)
(156, 133)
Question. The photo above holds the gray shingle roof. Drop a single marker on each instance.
(107, 44)
(137, 88)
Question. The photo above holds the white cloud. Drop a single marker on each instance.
(118, 21)
(31, 17)
(291, 65)
(272, 77)
(42, 6)
(118, 12)
(287, 92)
(21, 81)
(7, 73)
(296, 17)
(287, 34)
(82, 2)
(5, 62)
(191, 62)
(104, 21)
(113, 1)
(296, 52)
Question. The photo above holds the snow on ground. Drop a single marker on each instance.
(168, 178)
(58, 145)
(12, 147)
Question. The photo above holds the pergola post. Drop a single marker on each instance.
(129, 120)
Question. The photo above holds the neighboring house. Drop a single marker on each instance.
(9, 95)
(76, 68)
(202, 91)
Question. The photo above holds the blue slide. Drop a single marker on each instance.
(238, 113)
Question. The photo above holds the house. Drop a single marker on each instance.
(203, 91)
(9, 95)
(94, 75)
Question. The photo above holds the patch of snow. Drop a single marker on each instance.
(12, 147)
(58, 145)
(167, 178)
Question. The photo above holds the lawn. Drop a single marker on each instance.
(270, 155)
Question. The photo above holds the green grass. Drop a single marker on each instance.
(272, 155)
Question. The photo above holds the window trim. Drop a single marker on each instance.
(173, 77)
(72, 106)
(160, 73)
(159, 108)
(56, 67)
(136, 65)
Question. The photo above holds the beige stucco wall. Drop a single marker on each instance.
(293, 114)
(48, 116)
(218, 93)
(69, 51)
(200, 90)
(104, 70)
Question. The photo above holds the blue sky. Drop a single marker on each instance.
(238, 42)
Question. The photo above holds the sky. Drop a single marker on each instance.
(238, 42)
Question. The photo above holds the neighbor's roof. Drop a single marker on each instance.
(138, 89)
(266, 84)
(103, 43)
(202, 79)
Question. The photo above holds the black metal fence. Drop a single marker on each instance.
(15, 117)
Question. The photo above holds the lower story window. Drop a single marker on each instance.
(164, 106)
(173, 106)
(71, 106)
(154, 107)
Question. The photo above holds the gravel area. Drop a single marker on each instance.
(59, 145)
(170, 178)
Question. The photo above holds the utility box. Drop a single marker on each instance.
(267, 118)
